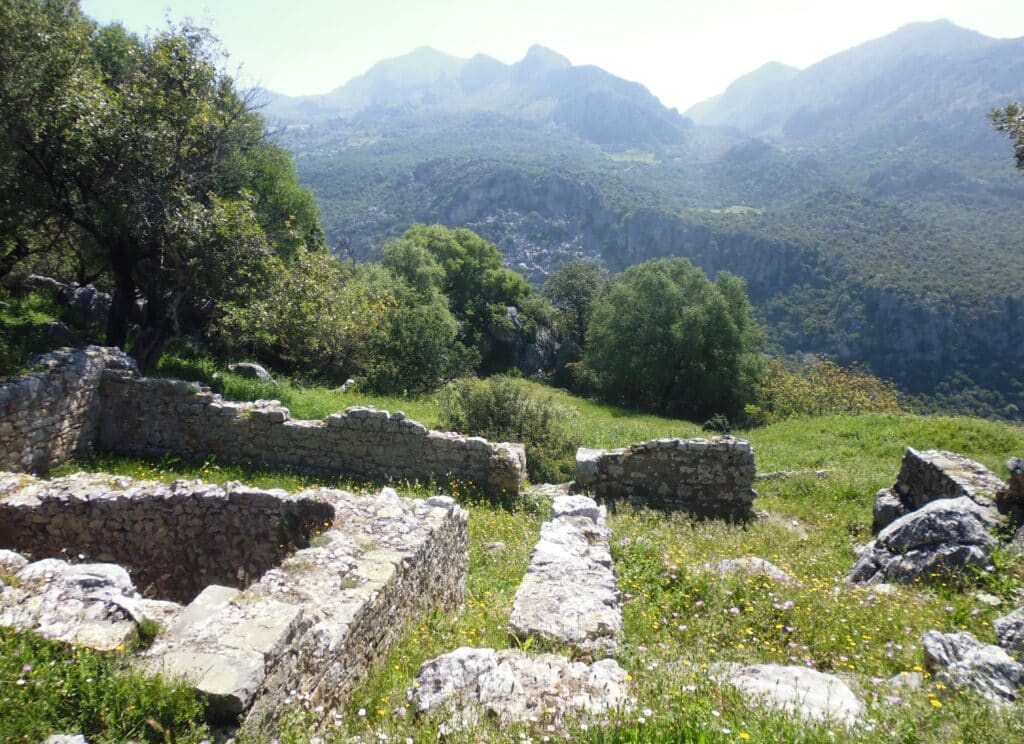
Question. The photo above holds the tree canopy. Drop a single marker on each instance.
(142, 156)
(1010, 121)
(666, 338)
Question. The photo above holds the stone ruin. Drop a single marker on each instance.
(262, 598)
(707, 478)
(93, 397)
(941, 517)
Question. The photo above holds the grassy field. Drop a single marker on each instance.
(679, 619)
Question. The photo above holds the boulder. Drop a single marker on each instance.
(935, 474)
(962, 662)
(940, 538)
(808, 693)
(250, 370)
(1010, 631)
(515, 687)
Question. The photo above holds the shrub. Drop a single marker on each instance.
(819, 388)
(506, 409)
(717, 424)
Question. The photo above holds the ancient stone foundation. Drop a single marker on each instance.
(304, 632)
(707, 478)
(93, 397)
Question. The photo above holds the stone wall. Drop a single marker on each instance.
(146, 416)
(173, 539)
(707, 478)
(304, 632)
(53, 414)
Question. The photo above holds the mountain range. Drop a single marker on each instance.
(867, 201)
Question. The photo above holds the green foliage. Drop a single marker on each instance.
(1010, 121)
(574, 289)
(21, 319)
(139, 156)
(665, 338)
(468, 271)
(47, 687)
(505, 409)
(819, 388)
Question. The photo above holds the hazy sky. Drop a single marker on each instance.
(683, 50)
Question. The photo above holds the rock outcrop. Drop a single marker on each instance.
(943, 537)
(707, 478)
(568, 594)
(515, 687)
(964, 663)
(1010, 632)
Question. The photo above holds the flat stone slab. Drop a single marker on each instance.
(515, 687)
(569, 594)
(808, 693)
(749, 566)
(937, 474)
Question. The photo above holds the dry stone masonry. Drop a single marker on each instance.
(707, 478)
(568, 594)
(90, 397)
(47, 417)
(304, 632)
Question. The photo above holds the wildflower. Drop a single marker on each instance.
(27, 668)
(361, 713)
(935, 703)
(734, 610)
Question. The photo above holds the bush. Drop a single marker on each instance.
(506, 409)
(717, 424)
(820, 388)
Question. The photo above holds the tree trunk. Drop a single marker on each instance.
(149, 347)
(122, 303)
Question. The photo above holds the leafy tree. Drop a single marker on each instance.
(665, 338)
(142, 152)
(573, 289)
(1010, 121)
(468, 271)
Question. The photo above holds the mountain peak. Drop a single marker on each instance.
(538, 61)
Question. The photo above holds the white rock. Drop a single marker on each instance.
(811, 694)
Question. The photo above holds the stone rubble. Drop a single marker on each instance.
(569, 594)
(811, 694)
(515, 687)
(707, 478)
(941, 538)
(962, 662)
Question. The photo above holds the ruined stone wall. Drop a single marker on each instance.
(707, 478)
(173, 539)
(156, 416)
(52, 414)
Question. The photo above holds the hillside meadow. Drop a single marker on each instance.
(680, 619)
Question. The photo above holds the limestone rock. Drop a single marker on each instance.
(515, 687)
(887, 509)
(749, 566)
(65, 739)
(942, 537)
(811, 694)
(963, 662)
(569, 593)
(83, 604)
(11, 562)
(250, 370)
(1010, 631)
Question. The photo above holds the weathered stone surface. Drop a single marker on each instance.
(709, 478)
(811, 694)
(935, 474)
(515, 687)
(250, 370)
(749, 566)
(88, 604)
(963, 662)
(569, 593)
(50, 416)
(887, 509)
(1010, 631)
(65, 739)
(157, 416)
(940, 538)
(11, 562)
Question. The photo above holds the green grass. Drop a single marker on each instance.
(679, 619)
